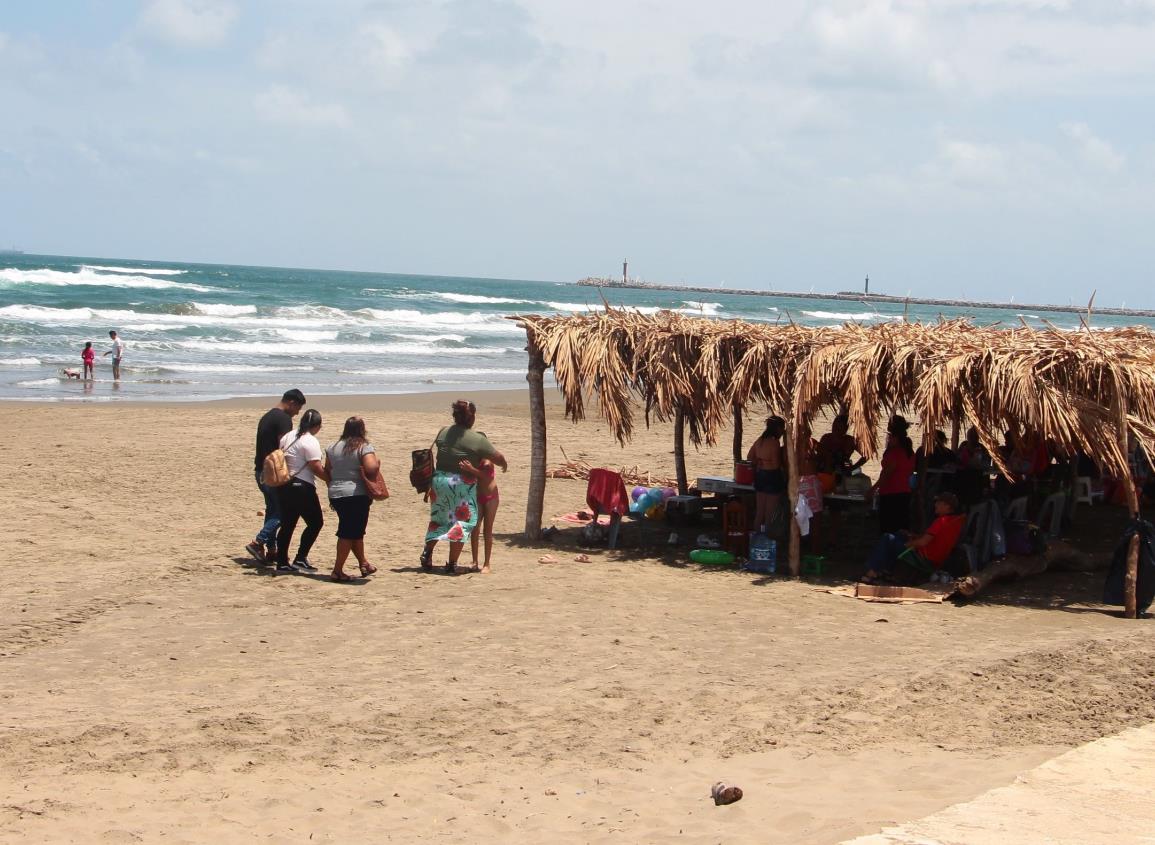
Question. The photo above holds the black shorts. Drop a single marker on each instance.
(772, 481)
(352, 516)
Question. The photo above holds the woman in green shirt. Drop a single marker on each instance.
(453, 495)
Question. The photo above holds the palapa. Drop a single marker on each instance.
(1086, 390)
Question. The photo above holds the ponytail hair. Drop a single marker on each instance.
(310, 419)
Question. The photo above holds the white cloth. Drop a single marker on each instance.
(802, 513)
(298, 452)
(117, 348)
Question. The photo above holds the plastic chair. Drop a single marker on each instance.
(1017, 509)
(971, 554)
(606, 493)
(1051, 514)
(976, 535)
(1085, 493)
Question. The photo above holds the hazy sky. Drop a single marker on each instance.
(960, 147)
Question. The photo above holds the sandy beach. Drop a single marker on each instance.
(155, 685)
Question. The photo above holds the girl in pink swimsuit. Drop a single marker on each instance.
(488, 498)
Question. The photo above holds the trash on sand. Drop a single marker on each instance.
(723, 793)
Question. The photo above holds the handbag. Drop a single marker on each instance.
(375, 485)
(421, 475)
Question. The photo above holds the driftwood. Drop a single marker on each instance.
(579, 470)
(1059, 555)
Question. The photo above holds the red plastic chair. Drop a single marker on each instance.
(606, 493)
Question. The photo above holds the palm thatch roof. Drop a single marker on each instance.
(1082, 390)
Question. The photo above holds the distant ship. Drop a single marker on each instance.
(12, 251)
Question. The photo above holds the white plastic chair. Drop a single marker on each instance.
(1051, 514)
(1085, 493)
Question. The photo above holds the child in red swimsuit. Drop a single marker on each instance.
(488, 498)
(88, 356)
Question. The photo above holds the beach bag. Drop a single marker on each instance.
(1025, 538)
(421, 475)
(375, 485)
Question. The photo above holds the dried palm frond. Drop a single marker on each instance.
(1085, 390)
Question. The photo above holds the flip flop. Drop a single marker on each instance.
(547, 559)
(341, 577)
(367, 569)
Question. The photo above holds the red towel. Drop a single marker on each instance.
(606, 493)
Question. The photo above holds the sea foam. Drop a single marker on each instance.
(148, 271)
(862, 315)
(91, 278)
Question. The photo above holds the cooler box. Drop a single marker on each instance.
(715, 484)
(683, 510)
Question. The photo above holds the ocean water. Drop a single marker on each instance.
(200, 331)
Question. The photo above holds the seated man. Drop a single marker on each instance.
(931, 549)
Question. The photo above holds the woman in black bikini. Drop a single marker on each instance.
(769, 477)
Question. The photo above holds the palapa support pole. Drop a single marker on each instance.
(1131, 576)
(1130, 603)
(738, 453)
(535, 501)
(955, 427)
(680, 451)
(792, 463)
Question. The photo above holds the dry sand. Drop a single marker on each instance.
(155, 686)
(1099, 792)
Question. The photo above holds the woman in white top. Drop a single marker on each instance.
(298, 498)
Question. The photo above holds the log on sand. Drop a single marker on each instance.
(1059, 555)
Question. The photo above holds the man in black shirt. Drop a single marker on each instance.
(275, 424)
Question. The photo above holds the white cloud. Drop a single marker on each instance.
(1095, 151)
(189, 23)
(385, 48)
(285, 105)
(970, 163)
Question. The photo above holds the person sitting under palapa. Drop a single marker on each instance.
(927, 553)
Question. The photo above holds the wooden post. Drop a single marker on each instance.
(680, 451)
(739, 455)
(1130, 602)
(792, 463)
(955, 427)
(535, 501)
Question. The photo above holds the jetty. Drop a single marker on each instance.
(857, 296)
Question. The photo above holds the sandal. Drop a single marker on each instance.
(427, 560)
(367, 569)
(450, 568)
(341, 577)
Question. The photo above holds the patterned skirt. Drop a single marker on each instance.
(452, 508)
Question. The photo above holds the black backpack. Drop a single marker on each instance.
(1145, 584)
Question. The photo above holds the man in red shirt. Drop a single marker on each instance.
(932, 547)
